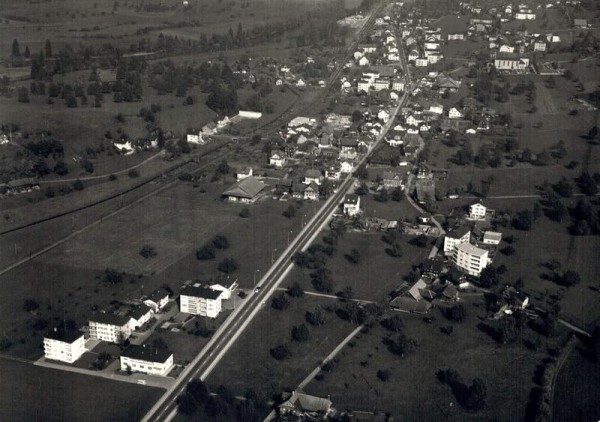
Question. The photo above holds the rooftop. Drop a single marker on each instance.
(247, 188)
(110, 319)
(471, 249)
(147, 353)
(67, 336)
(458, 233)
(203, 292)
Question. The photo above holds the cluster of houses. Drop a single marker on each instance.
(465, 252)
(197, 136)
(68, 345)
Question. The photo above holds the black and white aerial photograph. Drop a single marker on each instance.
(299, 211)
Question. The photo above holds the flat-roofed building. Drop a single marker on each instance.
(470, 259)
(64, 345)
(199, 300)
(147, 359)
(110, 327)
(455, 237)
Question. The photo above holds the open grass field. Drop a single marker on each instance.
(577, 389)
(375, 276)
(248, 364)
(549, 240)
(413, 393)
(66, 281)
(30, 393)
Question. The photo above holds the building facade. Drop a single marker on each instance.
(147, 360)
(203, 301)
(63, 345)
(456, 237)
(470, 259)
(110, 328)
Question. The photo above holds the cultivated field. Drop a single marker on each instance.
(248, 364)
(36, 393)
(577, 388)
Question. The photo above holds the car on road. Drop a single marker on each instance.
(257, 289)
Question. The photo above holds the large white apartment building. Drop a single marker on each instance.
(147, 360)
(456, 237)
(64, 345)
(109, 327)
(198, 300)
(470, 259)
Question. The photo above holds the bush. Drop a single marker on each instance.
(289, 212)
(420, 241)
(111, 276)
(509, 250)
(30, 305)
(244, 213)
(455, 313)
(186, 404)
(315, 317)
(78, 185)
(393, 323)
(220, 242)
(280, 352)
(295, 290)
(148, 251)
(384, 375)
(280, 302)
(133, 173)
(205, 252)
(49, 192)
(88, 166)
(185, 177)
(353, 256)
(228, 266)
(300, 333)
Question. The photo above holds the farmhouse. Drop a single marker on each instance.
(312, 176)
(477, 211)
(446, 83)
(245, 191)
(139, 316)
(198, 300)
(453, 238)
(470, 259)
(510, 61)
(300, 405)
(277, 159)
(110, 327)
(147, 360)
(157, 300)
(311, 192)
(454, 113)
(243, 173)
(391, 179)
(64, 345)
(194, 136)
(352, 205)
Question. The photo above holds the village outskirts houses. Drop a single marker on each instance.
(277, 159)
(351, 206)
(157, 300)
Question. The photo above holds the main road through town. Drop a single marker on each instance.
(165, 408)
